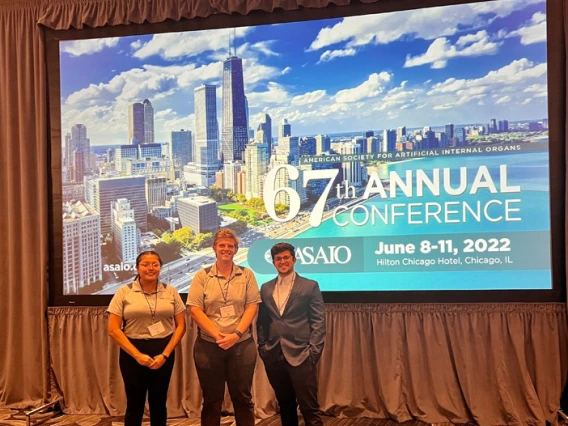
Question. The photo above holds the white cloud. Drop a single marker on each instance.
(428, 24)
(441, 50)
(88, 47)
(309, 98)
(374, 86)
(275, 94)
(503, 100)
(175, 45)
(533, 32)
(329, 55)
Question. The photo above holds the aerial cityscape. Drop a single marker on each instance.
(162, 187)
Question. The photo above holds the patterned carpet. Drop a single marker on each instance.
(18, 418)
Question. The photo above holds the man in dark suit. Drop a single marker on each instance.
(291, 333)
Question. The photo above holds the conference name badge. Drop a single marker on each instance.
(227, 311)
(156, 328)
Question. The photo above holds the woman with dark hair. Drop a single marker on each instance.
(147, 321)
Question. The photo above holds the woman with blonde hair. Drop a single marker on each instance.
(223, 301)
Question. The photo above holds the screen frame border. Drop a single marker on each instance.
(556, 69)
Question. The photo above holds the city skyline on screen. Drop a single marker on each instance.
(459, 64)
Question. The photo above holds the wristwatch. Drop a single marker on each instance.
(238, 333)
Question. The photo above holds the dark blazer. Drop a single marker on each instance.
(300, 330)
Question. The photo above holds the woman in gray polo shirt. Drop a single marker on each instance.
(147, 321)
(223, 300)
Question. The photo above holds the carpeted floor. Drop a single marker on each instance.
(18, 418)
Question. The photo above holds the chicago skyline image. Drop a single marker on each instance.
(179, 134)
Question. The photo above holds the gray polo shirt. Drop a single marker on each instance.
(211, 292)
(136, 307)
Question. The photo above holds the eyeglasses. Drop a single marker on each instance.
(280, 258)
(147, 265)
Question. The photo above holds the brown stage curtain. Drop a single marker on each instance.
(488, 363)
(67, 14)
(23, 212)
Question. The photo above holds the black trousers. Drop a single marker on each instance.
(140, 380)
(235, 366)
(294, 386)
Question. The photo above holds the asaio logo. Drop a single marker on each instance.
(319, 255)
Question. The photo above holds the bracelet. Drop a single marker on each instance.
(164, 355)
(238, 333)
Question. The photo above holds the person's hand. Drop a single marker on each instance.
(228, 341)
(157, 362)
(145, 360)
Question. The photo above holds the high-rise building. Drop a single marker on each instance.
(156, 192)
(201, 172)
(242, 181)
(124, 232)
(220, 179)
(372, 145)
(181, 148)
(230, 177)
(307, 145)
(266, 127)
(136, 131)
(79, 142)
(401, 134)
(100, 192)
(285, 129)
(256, 166)
(450, 131)
(389, 140)
(148, 121)
(235, 129)
(289, 145)
(362, 142)
(368, 134)
(68, 160)
(81, 246)
(493, 124)
(198, 213)
(352, 171)
(323, 144)
(78, 166)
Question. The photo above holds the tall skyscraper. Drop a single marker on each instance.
(100, 192)
(235, 129)
(136, 131)
(156, 192)
(81, 246)
(323, 144)
(181, 147)
(389, 141)
(285, 129)
(352, 171)
(266, 126)
(148, 121)
(290, 146)
(450, 131)
(493, 125)
(79, 142)
(230, 176)
(256, 166)
(124, 233)
(201, 171)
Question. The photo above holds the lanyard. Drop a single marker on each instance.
(225, 294)
(153, 313)
(280, 306)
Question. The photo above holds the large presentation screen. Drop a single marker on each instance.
(397, 151)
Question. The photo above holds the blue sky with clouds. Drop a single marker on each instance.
(462, 64)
